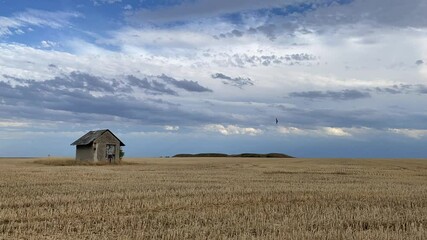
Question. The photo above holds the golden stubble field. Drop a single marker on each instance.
(215, 198)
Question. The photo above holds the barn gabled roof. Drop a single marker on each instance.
(91, 136)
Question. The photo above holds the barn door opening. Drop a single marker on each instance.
(111, 153)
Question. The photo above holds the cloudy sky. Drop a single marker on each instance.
(344, 78)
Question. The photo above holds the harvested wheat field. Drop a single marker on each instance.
(214, 198)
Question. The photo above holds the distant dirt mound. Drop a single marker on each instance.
(243, 155)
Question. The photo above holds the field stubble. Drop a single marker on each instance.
(215, 198)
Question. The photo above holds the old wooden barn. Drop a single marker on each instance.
(100, 145)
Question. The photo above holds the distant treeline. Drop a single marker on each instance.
(246, 155)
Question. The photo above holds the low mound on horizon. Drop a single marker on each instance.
(243, 155)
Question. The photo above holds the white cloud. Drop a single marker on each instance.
(170, 38)
(99, 2)
(232, 130)
(13, 124)
(171, 128)
(31, 17)
(19, 31)
(48, 44)
(292, 131)
(7, 25)
(321, 131)
(412, 133)
(338, 132)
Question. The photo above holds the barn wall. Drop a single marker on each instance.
(101, 143)
(84, 153)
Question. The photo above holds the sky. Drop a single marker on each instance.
(344, 78)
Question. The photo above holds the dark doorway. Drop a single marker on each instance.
(111, 152)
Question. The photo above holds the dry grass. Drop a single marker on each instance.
(73, 162)
(229, 198)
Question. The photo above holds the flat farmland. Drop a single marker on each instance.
(215, 198)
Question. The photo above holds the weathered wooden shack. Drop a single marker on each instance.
(100, 145)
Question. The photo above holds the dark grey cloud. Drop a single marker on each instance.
(419, 62)
(245, 60)
(72, 81)
(191, 86)
(410, 13)
(81, 97)
(234, 33)
(348, 118)
(87, 83)
(97, 99)
(269, 30)
(237, 33)
(151, 86)
(343, 95)
(79, 81)
(356, 116)
(189, 10)
(422, 89)
(390, 90)
(334, 117)
(353, 94)
(401, 89)
(286, 18)
(237, 81)
(324, 17)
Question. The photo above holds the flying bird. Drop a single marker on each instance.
(277, 121)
